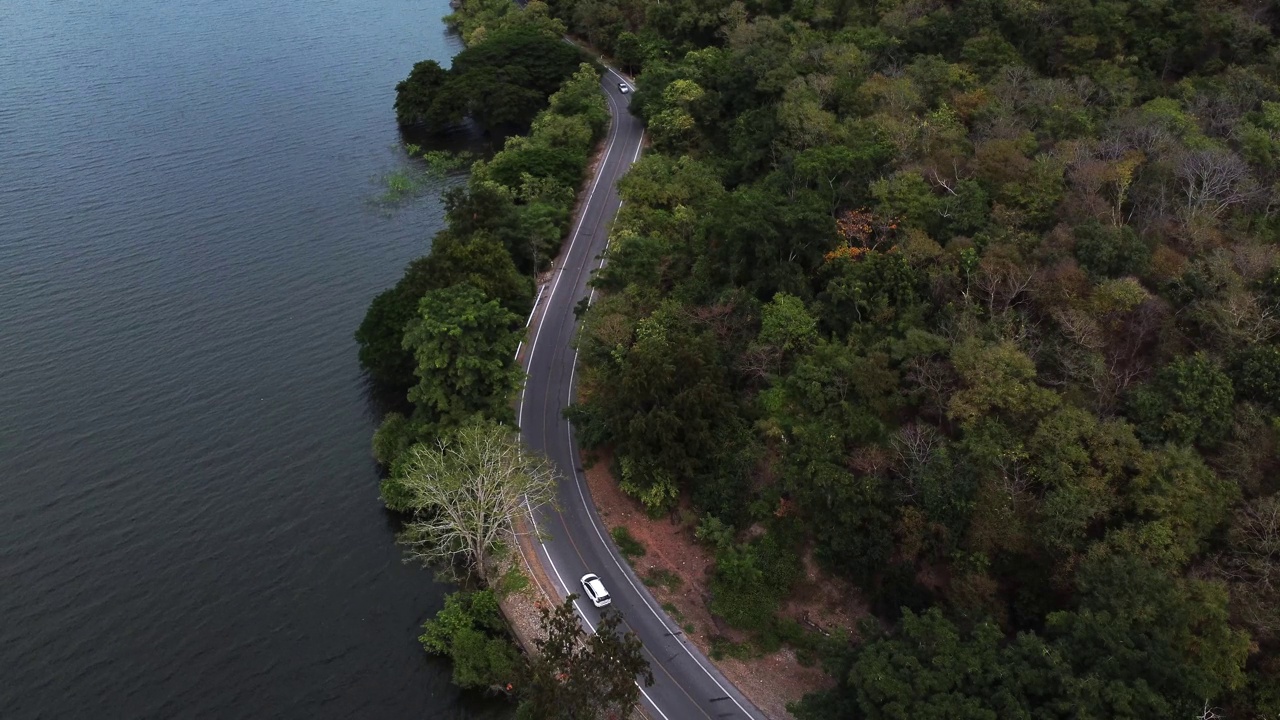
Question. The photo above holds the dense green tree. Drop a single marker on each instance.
(670, 410)
(576, 676)
(996, 378)
(766, 244)
(1175, 502)
(1145, 644)
(874, 288)
(580, 97)
(1110, 251)
(471, 632)
(416, 95)
(522, 157)
(485, 206)
(381, 333)
(933, 670)
(1081, 465)
(464, 345)
(501, 79)
(394, 435)
(887, 274)
(1188, 401)
(1256, 375)
(544, 60)
(1140, 645)
(786, 327)
(480, 260)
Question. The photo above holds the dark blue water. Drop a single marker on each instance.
(189, 519)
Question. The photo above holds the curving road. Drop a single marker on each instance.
(687, 686)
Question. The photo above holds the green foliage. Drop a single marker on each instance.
(932, 670)
(470, 631)
(395, 435)
(989, 52)
(1110, 251)
(939, 294)
(876, 289)
(670, 410)
(394, 494)
(381, 333)
(714, 532)
(481, 261)
(1176, 501)
(580, 97)
(1188, 401)
(751, 580)
(1140, 645)
(787, 326)
(577, 677)
(502, 79)
(489, 207)
(628, 545)
(1255, 375)
(464, 345)
(1156, 646)
(652, 486)
(996, 378)
(1080, 464)
(416, 94)
(668, 581)
(521, 157)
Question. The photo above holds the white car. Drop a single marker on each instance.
(595, 590)
(624, 88)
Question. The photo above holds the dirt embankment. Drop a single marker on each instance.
(677, 570)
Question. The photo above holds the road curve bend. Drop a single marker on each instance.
(574, 540)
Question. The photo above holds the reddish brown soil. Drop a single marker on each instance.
(770, 681)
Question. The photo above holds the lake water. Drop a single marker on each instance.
(189, 518)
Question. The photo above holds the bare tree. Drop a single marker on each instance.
(1238, 317)
(914, 447)
(1001, 280)
(934, 380)
(758, 362)
(1208, 713)
(1251, 566)
(466, 492)
(1212, 182)
(1112, 348)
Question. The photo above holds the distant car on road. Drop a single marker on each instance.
(595, 590)
(624, 88)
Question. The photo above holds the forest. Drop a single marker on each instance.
(443, 340)
(977, 305)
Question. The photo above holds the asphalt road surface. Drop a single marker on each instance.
(687, 686)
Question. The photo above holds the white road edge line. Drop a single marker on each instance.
(581, 614)
(569, 429)
(532, 312)
(613, 556)
(573, 239)
(578, 482)
(533, 348)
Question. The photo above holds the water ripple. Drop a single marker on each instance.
(189, 523)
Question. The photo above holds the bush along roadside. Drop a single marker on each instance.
(446, 334)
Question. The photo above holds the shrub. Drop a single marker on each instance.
(628, 545)
(470, 631)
